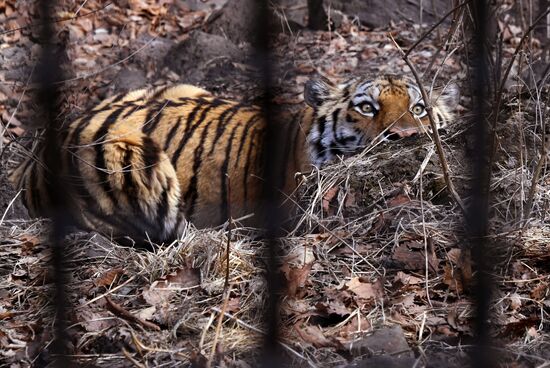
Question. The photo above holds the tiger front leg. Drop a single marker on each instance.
(136, 187)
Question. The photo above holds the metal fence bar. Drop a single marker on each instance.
(477, 218)
(48, 97)
(273, 182)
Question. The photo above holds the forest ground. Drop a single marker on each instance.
(376, 269)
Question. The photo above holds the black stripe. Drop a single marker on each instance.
(173, 130)
(129, 187)
(334, 150)
(151, 155)
(346, 93)
(190, 195)
(179, 218)
(99, 141)
(162, 211)
(154, 115)
(248, 162)
(136, 107)
(223, 122)
(345, 140)
(335, 122)
(224, 207)
(247, 127)
(28, 164)
(320, 148)
(158, 93)
(140, 222)
(191, 127)
(109, 106)
(118, 98)
(188, 124)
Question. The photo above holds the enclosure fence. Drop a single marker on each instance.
(476, 217)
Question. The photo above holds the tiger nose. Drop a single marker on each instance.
(402, 133)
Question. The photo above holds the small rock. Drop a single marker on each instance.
(387, 340)
(193, 58)
(128, 80)
(386, 361)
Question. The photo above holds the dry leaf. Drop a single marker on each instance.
(161, 290)
(446, 330)
(327, 198)
(517, 329)
(94, 321)
(452, 279)
(398, 200)
(407, 279)
(29, 243)
(364, 289)
(356, 325)
(515, 301)
(109, 277)
(350, 200)
(296, 277)
(533, 332)
(147, 313)
(332, 307)
(454, 255)
(233, 305)
(315, 336)
(409, 259)
(539, 291)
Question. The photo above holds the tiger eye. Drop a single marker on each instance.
(418, 109)
(367, 108)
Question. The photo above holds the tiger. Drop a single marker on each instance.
(148, 162)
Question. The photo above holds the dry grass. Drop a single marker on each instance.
(354, 218)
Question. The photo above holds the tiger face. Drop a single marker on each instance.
(351, 115)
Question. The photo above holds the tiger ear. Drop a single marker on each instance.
(450, 95)
(317, 91)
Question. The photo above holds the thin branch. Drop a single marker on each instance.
(504, 78)
(437, 24)
(226, 286)
(435, 133)
(55, 20)
(517, 50)
(540, 164)
(124, 314)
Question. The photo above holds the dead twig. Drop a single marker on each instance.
(432, 28)
(132, 359)
(226, 286)
(124, 314)
(504, 78)
(53, 21)
(434, 134)
(540, 164)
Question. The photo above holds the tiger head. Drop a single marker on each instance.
(349, 116)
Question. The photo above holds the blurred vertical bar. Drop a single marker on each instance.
(477, 216)
(272, 164)
(48, 98)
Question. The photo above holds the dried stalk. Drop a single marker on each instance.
(226, 286)
(435, 133)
